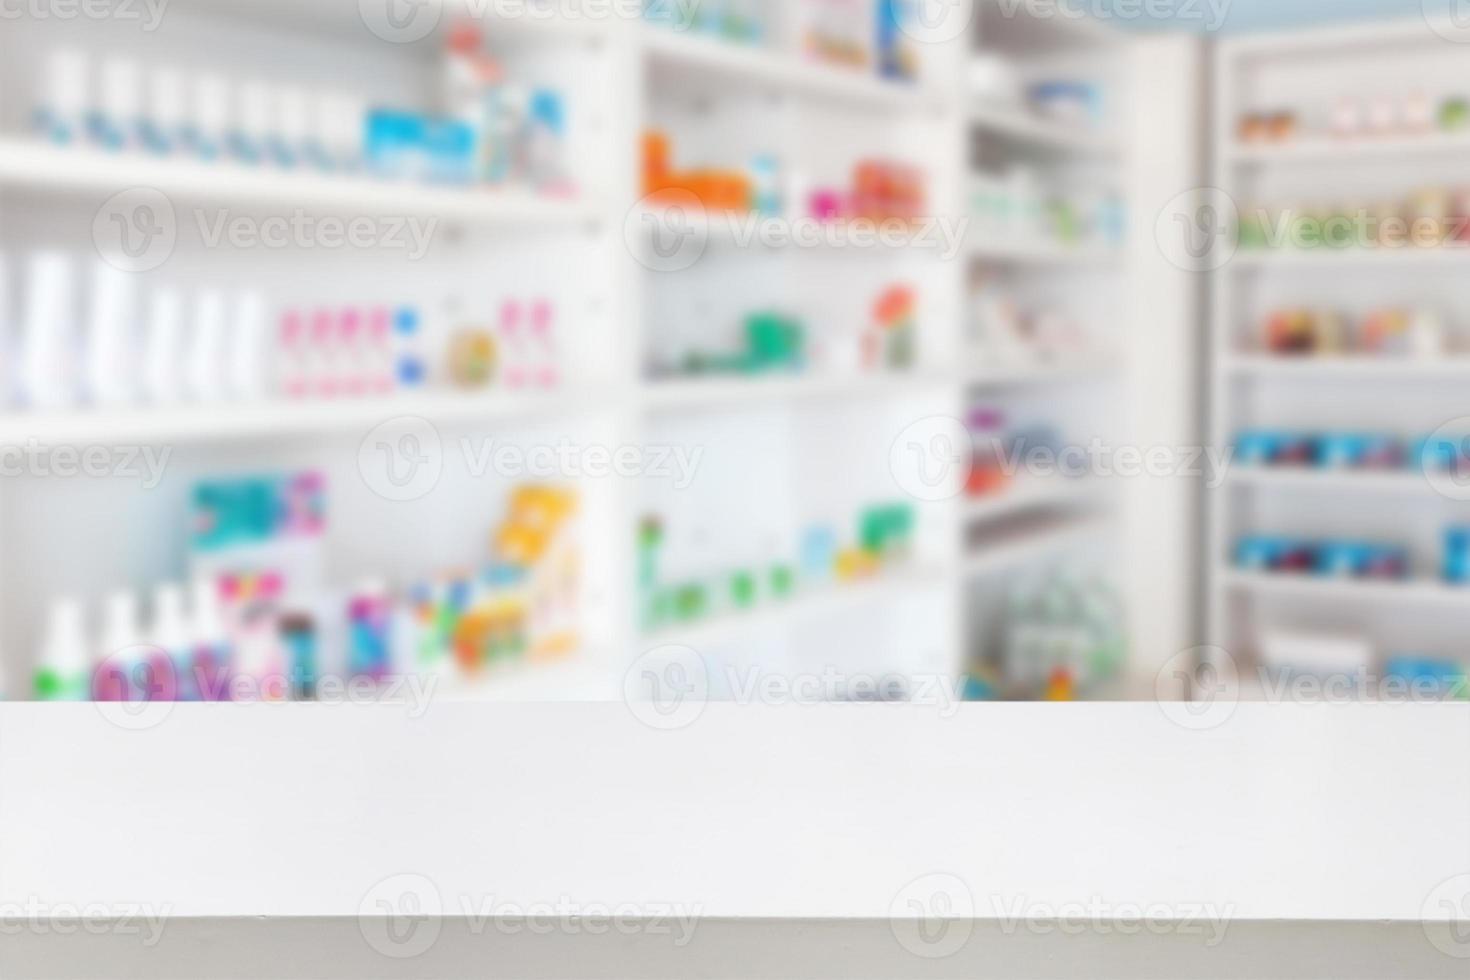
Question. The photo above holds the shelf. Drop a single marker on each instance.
(28, 163)
(825, 602)
(524, 21)
(1003, 375)
(1038, 493)
(1331, 150)
(1013, 251)
(1024, 127)
(199, 423)
(1423, 591)
(1347, 366)
(1349, 481)
(1024, 546)
(717, 392)
(581, 677)
(1457, 257)
(699, 59)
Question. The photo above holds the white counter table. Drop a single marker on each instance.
(854, 841)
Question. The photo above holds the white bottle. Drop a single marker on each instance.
(65, 671)
(111, 350)
(255, 123)
(209, 124)
(120, 653)
(120, 98)
(170, 638)
(209, 643)
(48, 361)
(246, 362)
(204, 366)
(168, 116)
(293, 134)
(62, 117)
(163, 349)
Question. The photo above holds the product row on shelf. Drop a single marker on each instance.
(1389, 332)
(1354, 664)
(1062, 636)
(1432, 217)
(772, 342)
(487, 129)
(1383, 452)
(135, 342)
(263, 624)
(881, 190)
(1003, 330)
(1001, 451)
(997, 81)
(882, 540)
(1026, 205)
(879, 38)
(1350, 559)
(1352, 118)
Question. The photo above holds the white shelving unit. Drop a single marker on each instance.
(779, 451)
(1036, 523)
(1306, 72)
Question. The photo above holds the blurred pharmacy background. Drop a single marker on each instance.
(760, 350)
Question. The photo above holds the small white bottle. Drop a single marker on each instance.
(110, 365)
(48, 360)
(119, 123)
(62, 116)
(292, 137)
(253, 130)
(167, 122)
(65, 671)
(173, 661)
(204, 366)
(209, 643)
(209, 123)
(246, 362)
(163, 349)
(120, 651)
